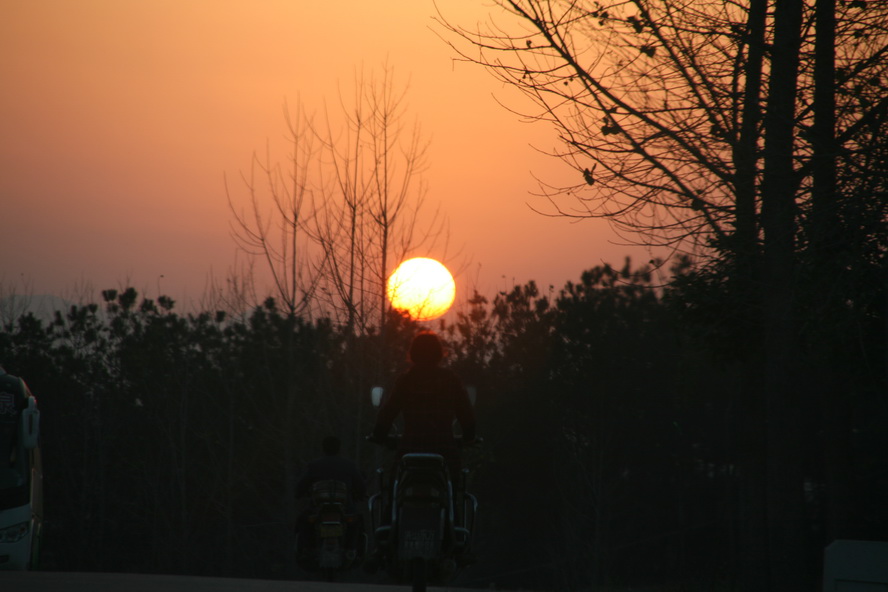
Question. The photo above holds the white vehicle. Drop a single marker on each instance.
(21, 477)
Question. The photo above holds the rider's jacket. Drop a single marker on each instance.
(333, 467)
(430, 398)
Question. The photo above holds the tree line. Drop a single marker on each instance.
(611, 413)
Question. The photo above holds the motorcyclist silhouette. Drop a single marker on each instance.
(331, 466)
(430, 398)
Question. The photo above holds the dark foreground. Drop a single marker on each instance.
(113, 582)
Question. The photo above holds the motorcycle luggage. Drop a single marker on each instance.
(329, 492)
(423, 477)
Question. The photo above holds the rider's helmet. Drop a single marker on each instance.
(426, 349)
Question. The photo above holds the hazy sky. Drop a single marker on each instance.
(119, 119)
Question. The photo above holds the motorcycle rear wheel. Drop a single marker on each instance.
(329, 574)
(419, 573)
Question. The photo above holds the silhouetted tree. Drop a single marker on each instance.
(661, 109)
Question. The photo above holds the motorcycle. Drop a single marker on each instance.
(422, 522)
(333, 528)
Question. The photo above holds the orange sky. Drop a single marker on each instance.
(119, 118)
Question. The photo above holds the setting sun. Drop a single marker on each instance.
(422, 288)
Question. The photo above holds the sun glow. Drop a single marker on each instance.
(422, 288)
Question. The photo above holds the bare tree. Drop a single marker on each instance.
(658, 104)
(371, 204)
(272, 226)
(713, 126)
(350, 197)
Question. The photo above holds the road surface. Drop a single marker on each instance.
(49, 581)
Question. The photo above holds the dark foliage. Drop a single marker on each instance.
(608, 410)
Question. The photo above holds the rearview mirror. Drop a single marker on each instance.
(30, 425)
(376, 396)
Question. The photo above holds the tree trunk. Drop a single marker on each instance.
(825, 239)
(750, 560)
(784, 509)
(745, 153)
(290, 426)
